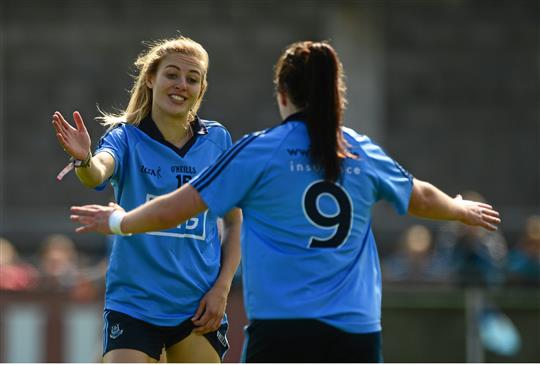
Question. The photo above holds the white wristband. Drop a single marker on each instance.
(115, 220)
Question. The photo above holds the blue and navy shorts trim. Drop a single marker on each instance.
(121, 331)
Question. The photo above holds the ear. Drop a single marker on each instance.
(150, 81)
(204, 85)
(282, 97)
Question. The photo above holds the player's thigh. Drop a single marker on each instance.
(193, 348)
(127, 356)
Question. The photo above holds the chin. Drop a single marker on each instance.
(176, 112)
(181, 113)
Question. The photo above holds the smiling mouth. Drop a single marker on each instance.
(177, 97)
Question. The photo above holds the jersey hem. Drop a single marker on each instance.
(345, 327)
(173, 321)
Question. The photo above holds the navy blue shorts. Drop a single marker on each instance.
(308, 341)
(121, 331)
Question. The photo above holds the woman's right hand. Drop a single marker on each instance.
(75, 141)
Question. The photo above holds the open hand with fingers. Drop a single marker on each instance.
(93, 217)
(75, 141)
(478, 214)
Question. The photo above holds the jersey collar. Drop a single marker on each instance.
(297, 117)
(148, 126)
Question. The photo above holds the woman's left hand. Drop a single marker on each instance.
(93, 218)
(478, 214)
(211, 310)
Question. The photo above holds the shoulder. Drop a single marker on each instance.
(122, 135)
(361, 143)
(115, 134)
(264, 144)
(213, 127)
(215, 132)
(278, 134)
(272, 140)
(120, 130)
(373, 153)
(354, 137)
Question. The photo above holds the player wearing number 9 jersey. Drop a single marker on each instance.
(308, 250)
(312, 283)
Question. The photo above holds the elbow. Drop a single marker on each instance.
(420, 198)
(232, 222)
(416, 207)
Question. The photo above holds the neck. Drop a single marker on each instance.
(289, 110)
(286, 106)
(175, 130)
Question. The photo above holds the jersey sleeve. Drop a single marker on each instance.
(225, 184)
(219, 135)
(226, 140)
(114, 142)
(394, 182)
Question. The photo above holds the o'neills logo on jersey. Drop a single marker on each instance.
(184, 170)
(152, 172)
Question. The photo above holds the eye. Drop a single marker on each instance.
(171, 75)
(193, 80)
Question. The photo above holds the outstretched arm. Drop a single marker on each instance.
(76, 142)
(163, 212)
(429, 202)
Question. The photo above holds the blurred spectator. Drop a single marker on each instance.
(96, 273)
(478, 256)
(58, 262)
(61, 269)
(15, 274)
(524, 259)
(415, 260)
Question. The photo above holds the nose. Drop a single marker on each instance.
(181, 84)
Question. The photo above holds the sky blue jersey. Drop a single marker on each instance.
(308, 250)
(160, 277)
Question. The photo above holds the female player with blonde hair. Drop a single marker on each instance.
(167, 288)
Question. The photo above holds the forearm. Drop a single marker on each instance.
(90, 176)
(427, 201)
(230, 251)
(163, 212)
(100, 168)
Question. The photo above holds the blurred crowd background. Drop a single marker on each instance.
(450, 88)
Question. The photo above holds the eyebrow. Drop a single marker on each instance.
(179, 69)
